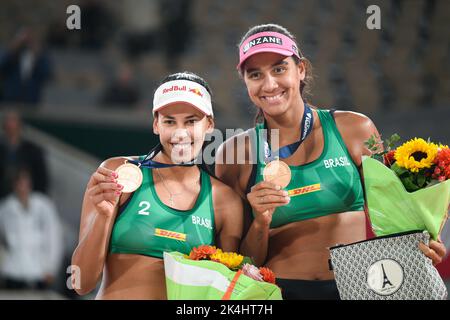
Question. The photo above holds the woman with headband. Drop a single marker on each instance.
(135, 208)
(318, 161)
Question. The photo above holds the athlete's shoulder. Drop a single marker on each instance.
(227, 203)
(354, 122)
(355, 128)
(222, 192)
(237, 149)
(231, 142)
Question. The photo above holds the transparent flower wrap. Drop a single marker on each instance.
(188, 279)
(392, 209)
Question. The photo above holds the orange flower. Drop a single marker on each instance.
(202, 252)
(267, 274)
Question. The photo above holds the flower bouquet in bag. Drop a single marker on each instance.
(407, 188)
(208, 273)
(407, 194)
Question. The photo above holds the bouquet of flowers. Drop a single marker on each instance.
(208, 273)
(408, 192)
(407, 188)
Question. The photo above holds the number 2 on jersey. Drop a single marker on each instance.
(144, 211)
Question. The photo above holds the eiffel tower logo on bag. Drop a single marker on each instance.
(385, 278)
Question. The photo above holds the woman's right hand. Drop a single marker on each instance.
(264, 197)
(104, 191)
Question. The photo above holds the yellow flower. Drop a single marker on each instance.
(416, 154)
(230, 259)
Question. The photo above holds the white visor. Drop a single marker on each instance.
(183, 91)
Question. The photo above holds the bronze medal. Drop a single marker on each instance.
(278, 173)
(130, 176)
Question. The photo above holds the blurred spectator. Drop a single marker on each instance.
(177, 27)
(140, 27)
(97, 24)
(122, 92)
(30, 233)
(25, 68)
(15, 152)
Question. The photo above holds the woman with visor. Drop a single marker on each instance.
(291, 229)
(177, 205)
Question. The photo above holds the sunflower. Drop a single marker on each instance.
(416, 154)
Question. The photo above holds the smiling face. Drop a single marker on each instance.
(273, 82)
(182, 129)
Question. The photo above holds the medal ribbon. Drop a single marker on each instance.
(147, 162)
(287, 151)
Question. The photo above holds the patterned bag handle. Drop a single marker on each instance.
(230, 288)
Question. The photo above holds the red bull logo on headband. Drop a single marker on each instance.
(196, 91)
(174, 88)
(179, 91)
(262, 40)
(182, 88)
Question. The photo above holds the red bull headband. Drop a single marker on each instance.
(183, 91)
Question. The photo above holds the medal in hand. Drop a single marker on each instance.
(130, 176)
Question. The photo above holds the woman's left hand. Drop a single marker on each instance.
(435, 251)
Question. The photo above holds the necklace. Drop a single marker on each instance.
(171, 195)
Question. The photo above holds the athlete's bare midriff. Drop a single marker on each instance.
(300, 250)
(131, 276)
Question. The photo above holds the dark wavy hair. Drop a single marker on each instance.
(305, 85)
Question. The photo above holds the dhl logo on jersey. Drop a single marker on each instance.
(170, 234)
(304, 190)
